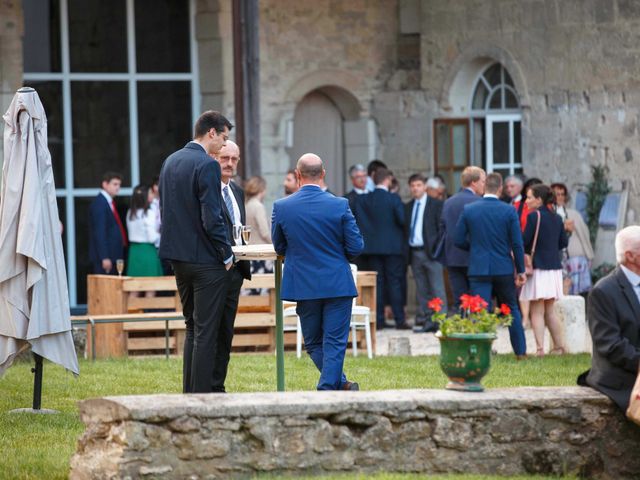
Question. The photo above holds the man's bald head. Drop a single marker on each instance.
(310, 168)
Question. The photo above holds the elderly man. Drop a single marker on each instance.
(358, 177)
(318, 235)
(234, 214)
(613, 312)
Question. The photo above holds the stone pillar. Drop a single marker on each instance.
(11, 32)
(570, 311)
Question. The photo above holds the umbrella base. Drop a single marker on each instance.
(42, 411)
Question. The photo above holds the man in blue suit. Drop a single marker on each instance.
(380, 216)
(107, 237)
(318, 235)
(456, 259)
(195, 240)
(490, 230)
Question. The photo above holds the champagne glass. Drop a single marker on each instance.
(246, 234)
(237, 234)
(120, 266)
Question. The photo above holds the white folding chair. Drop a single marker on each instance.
(360, 319)
(290, 327)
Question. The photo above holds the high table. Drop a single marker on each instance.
(267, 252)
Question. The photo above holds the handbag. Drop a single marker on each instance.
(633, 412)
(528, 259)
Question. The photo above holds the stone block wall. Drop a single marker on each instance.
(556, 431)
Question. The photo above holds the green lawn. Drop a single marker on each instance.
(40, 446)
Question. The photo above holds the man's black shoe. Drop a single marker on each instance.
(351, 386)
(426, 329)
(403, 326)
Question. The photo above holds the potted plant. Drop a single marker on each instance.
(465, 340)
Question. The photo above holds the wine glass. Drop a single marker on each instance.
(246, 234)
(120, 266)
(237, 234)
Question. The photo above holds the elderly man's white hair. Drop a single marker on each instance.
(514, 178)
(434, 182)
(627, 239)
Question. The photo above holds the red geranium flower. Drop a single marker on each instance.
(465, 301)
(504, 309)
(477, 304)
(435, 304)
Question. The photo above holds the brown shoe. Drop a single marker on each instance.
(351, 386)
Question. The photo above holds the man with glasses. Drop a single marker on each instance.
(358, 176)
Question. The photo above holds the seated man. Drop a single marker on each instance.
(613, 312)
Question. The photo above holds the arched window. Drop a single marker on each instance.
(495, 91)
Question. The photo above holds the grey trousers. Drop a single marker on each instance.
(429, 280)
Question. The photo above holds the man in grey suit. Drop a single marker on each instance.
(613, 312)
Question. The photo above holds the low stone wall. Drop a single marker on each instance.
(568, 430)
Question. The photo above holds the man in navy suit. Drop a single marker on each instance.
(380, 216)
(234, 214)
(318, 235)
(422, 231)
(107, 237)
(195, 239)
(490, 230)
(456, 259)
(358, 177)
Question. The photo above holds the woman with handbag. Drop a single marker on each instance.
(544, 239)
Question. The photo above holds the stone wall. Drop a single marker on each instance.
(556, 431)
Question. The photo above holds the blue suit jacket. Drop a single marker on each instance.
(451, 211)
(490, 230)
(317, 234)
(105, 239)
(193, 226)
(380, 216)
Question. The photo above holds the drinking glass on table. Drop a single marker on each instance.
(120, 266)
(246, 234)
(237, 234)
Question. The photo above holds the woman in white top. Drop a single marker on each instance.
(143, 258)
(254, 190)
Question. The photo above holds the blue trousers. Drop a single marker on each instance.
(504, 289)
(325, 328)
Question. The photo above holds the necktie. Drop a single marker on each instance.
(119, 222)
(229, 204)
(416, 209)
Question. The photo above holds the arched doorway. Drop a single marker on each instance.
(318, 127)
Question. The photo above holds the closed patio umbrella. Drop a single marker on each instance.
(34, 301)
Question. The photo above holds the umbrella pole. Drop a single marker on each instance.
(37, 382)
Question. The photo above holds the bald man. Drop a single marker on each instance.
(318, 235)
(233, 214)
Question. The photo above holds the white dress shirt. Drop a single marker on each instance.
(420, 204)
(634, 280)
(142, 227)
(234, 201)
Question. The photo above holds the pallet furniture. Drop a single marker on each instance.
(123, 297)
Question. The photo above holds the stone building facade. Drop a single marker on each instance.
(543, 87)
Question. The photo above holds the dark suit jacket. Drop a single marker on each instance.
(552, 239)
(430, 224)
(105, 239)
(243, 266)
(380, 216)
(317, 234)
(613, 313)
(490, 230)
(351, 196)
(193, 225)
(451, 211)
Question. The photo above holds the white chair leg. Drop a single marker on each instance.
(367, 336)
(299, 339)
(354, 340)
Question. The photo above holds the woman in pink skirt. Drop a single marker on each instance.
(544, 287)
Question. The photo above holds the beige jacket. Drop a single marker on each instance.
(579, 242)
(258, 221)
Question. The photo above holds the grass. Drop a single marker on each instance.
(40, 446)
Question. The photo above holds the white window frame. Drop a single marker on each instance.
(510, 119)
(69, 193)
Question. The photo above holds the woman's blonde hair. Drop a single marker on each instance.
(254, 186)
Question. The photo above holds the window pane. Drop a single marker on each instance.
(164, 125)
(100, 112)
(507, 78)
(41, 47)
(83, 265)
(495, 103)
(444, 144)
(500, 142)
(50, 94)
(492, 74)
(97, 36)
(510, 99)
(517, 144)
(480, 96)
(457, 182)
(460, 145)
(162, 39)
